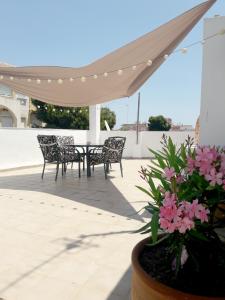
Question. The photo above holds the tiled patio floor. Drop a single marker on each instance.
(69, 239)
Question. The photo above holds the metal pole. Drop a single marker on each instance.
(138, 115)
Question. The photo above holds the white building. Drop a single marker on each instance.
(14, 108)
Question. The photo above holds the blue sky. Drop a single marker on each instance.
(76, 32)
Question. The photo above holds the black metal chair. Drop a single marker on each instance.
(63, 142)
(110, 153)
(52, 153)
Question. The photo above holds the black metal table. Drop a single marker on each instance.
(87, 152)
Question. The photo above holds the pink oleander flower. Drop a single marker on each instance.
(191, 165)
(222, 164)
(205, 157)
(214, 177)
(180, 216)
(180, 179)
(169, 173)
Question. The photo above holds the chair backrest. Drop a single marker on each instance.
(117, 144)
(49, 147)
(65, 140)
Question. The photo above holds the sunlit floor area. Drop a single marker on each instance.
(69, 239)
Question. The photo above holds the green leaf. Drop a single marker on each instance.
(159, 241)
(143, 228)
(154, 226)
(144, 190)
(198, 235)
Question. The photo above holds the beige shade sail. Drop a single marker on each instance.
(116, 75)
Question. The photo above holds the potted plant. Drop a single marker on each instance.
(184, 257)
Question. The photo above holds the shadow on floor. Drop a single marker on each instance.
(122, 288)
(94, 191)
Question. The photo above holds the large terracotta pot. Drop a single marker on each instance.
(144, 287)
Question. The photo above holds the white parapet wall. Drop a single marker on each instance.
(212, 116)
(19, 147)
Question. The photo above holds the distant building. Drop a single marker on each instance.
(130, 127)
(181, 127)
(14, 107)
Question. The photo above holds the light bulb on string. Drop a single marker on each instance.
(1, 77)
(184, 50)
(46, 107)
(11, 78)
(134, 68)
(83, 79)
(38, 106)
(149, 62)
(71, 79)
(60, 81)
(28, 80)
(53, 109)
(49, 80)
(105, 74)
(120, 72)
(68, 111)
(61, 110)
(95, 76)
(38, 81)
(166, 56)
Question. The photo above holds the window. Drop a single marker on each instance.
(5, 90)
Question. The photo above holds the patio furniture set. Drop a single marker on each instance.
(62, 150)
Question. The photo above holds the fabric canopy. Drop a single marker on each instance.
(116, 75)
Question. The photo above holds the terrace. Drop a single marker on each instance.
(72, 239)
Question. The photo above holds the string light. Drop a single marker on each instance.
(46, 107)
(38, 106)
(68, 111)
(61, 110)
(120, 71)
(184, 50)
(53, 109)
(166, 56)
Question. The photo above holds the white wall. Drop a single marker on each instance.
(212, 116)
(19, 147)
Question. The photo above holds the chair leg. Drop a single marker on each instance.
(57, 171)
(93, 168)
(121, 169)
(107, 167)
(105, 170)
(83, 164)
(72, 165)
(79, 168)
(42, 175)
(65, 166)
(62, 169)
